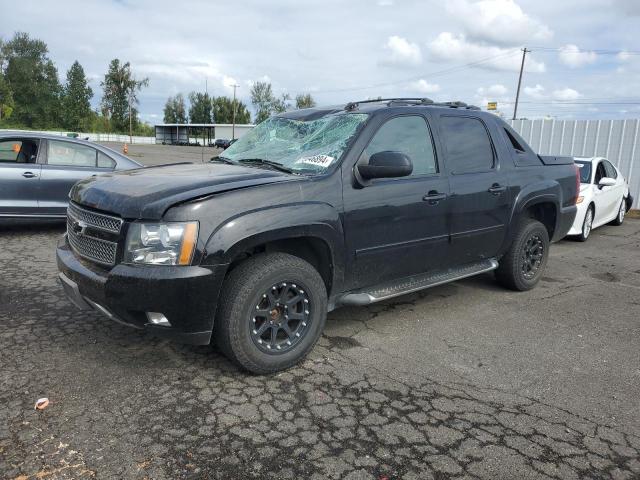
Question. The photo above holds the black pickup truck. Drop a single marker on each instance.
(311, 210)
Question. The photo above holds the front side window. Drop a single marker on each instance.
(468, 145)
(70, 154)
(18, 151)
(600, 173)
(306, 146)
(610, 169)
(409, 135)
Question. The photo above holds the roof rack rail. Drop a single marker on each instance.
(415, 100)
(411, 101)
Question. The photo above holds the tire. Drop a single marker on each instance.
(587, 225)
(256, 285)
(523, 265)
(621, 212)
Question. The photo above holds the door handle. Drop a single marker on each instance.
(497, 189)
(433, 197)
(29, 175)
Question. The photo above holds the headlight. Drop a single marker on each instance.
(579, 200)
(161, 243)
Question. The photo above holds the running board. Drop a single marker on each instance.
(415, 283)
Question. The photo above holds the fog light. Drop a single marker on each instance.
(158, 319)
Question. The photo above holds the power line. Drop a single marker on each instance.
(445, 71)
(598, 51)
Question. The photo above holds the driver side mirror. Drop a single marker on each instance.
(387, 164)
(606, 182)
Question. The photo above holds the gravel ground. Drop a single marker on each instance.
(463, 380)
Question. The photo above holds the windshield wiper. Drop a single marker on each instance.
(222, 159)
(267, 163)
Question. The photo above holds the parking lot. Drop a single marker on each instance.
(463, 380)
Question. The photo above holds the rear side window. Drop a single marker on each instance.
(70, 154)
(105, 162)
(468, 145)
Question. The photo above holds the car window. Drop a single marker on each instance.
(18, 151)
(70, 154)
(409, 135)
(514, 142)
(585, 171)
(468, 144)
(610, 169)
(600, 173)
(105, 161)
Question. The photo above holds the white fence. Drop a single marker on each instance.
(95, 137)
(616, 140)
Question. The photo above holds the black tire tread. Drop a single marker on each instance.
(508, 272)
(238, 289)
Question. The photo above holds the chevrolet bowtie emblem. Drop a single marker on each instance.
(78, 227)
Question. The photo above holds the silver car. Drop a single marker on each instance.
(37, 171)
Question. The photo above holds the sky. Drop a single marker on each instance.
(584, 60)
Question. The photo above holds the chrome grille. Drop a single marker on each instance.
(82, 226)
(95, 220)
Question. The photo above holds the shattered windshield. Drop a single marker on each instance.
(303, 146)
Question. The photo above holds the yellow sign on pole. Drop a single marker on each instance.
(492, 105)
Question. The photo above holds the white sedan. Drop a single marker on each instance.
(604, 196)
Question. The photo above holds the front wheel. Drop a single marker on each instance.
(621, 212)
(273, 308)
(523, 264)
(587, 225)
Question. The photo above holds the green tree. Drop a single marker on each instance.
(266, 103)
(32, 79)
(121, 92)
(6, 99)
(76, 96)
(175, 110)
(305, 100)
(262, 100)
(200, 108)
(223, 111)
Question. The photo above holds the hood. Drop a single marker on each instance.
(148, 192)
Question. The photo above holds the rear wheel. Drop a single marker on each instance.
(621, 212)
(587, 225)
(523, 265)
(272, 311)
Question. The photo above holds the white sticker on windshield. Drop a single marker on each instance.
(319, 160)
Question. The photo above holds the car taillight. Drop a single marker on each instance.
(575, 199)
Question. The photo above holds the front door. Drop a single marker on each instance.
(397, 227)
(479, 201)
(19, 177)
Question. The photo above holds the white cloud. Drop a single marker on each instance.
(422, 86)
(566, 94)
(500, 21)
(623, 56)
(451, 47)
(385, 3)
(402, 52)
(496, 90)
(536, 92)
(573, 57)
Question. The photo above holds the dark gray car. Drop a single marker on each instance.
(37, 171)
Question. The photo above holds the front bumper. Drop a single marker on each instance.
(566, 218)
(186, 296)
(576, 227)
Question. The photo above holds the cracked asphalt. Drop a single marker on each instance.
(464, 380)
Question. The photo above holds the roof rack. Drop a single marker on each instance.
(410, 101)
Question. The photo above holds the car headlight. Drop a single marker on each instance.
(171, 243)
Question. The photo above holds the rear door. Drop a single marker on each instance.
(479, 198)
(65, 164)
(19, 176)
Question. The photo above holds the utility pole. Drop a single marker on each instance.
(515, 107)
(130, 120)
(233, 127)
